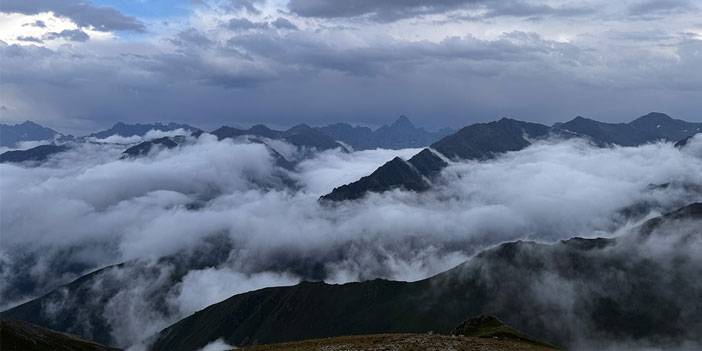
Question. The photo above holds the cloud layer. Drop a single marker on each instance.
(443, 63)
(213, 218)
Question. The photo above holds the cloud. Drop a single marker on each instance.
(30, 39)
(657, 7)
(85, 209)
(217, 345)
(243, 24)
(37, 23)
(83, 13)
(282, 23)
(389, 10)
(67, 34)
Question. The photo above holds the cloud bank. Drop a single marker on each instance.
(209, 219)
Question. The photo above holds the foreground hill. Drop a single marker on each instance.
(405, 342)
(572, 292)
(23, 336)
(477, 333)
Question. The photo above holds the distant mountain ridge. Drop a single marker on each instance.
(483, 141)
(300, 135)
(650, 127)
(11, 135)
(400, 134)
(138, 129)
(36, 154)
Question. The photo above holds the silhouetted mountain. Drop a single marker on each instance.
(566, 293)
(478, 141)
(359, 138)
(396, 173)
(414, 174)
(301, 135)
(304, 135)
(486, 140)
(10, 135)
(36, 154)
(23, 336)
(127, 130)
(145, 147)
(649, 128)
(483, 141)
(398, 135)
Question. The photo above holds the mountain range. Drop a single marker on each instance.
(400, 134)
(475, 142)
(585, 269)
(483, 141)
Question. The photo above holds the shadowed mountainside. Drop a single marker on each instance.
(36, 154)
(569, 293)
(23, 336)
(484, 141)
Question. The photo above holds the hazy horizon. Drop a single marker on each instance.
(442, 63)
(284, 127)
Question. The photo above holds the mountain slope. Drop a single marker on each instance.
(413, 174)
(486, 140)
(23, 336)
(478, 141)
(36, 154)
(145, 147)
(591, 301)
(10, 135)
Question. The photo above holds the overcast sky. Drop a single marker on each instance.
(79, 65)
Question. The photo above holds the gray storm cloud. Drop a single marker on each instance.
(227, 203)
(360, 61)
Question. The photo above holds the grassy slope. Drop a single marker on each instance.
(406, 342)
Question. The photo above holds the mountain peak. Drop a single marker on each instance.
(655, 117)
(402, 122)
(28, 123)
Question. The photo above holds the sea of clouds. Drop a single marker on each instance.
(211, 218)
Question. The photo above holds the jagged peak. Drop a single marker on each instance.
(31, 123)
(402, 122)
(654, 117)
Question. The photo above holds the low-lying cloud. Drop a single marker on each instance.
(210, 218)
